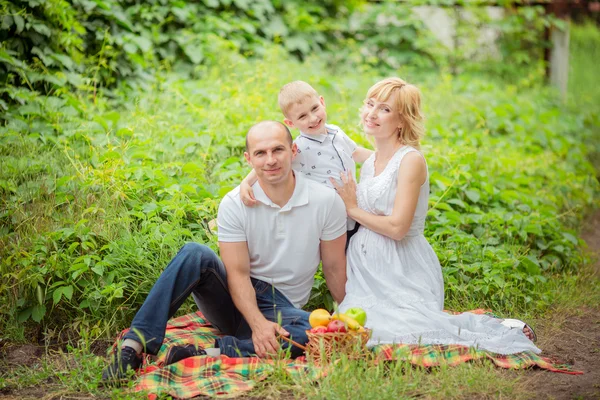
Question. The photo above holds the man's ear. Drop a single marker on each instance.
(247, 157)
(294, 150)
(288, 122)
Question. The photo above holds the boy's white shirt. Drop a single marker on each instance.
(321, 157)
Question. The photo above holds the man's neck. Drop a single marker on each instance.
(282, 192)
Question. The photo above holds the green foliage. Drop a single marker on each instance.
(99, 188)
(46, 45)
(387, 36)
(96, 204)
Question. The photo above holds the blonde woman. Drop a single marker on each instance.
(393, 273)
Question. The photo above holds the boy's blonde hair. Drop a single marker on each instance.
(407, 102)
(294, 93)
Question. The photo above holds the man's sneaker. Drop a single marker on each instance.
(121, 361)
(178, 353)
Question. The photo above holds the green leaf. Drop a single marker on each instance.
(473, 195)
(19, 22)
(40, 294)
(7, 22)
(66, 61)
(531, 265)
(130, 48)
(98, 269)
(243, 4)
(42, 29)
(68, 291)
(57, 295)
(297, 43)
(194, 53)
(24, 315)
(181, 13)
(143, 43)
(570, 238)
(38, 312)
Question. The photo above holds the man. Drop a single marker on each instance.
(270, 254)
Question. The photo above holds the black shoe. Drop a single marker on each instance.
(178, 353)
(121, 361)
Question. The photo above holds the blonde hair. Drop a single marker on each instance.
(407, 102)
(294, 93)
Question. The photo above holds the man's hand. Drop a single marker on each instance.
(264, 338)
(247, 194)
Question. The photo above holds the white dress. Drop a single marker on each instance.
(399, 282)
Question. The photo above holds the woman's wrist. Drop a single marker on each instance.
(352, 211)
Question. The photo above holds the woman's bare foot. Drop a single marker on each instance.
(515, 323)
(528, 332)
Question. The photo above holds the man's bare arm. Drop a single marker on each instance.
(333, 257)
(237, 263)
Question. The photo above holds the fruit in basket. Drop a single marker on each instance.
(319, 329)
(358, 314)
(336, 326)
(351, 323)
(319, 317)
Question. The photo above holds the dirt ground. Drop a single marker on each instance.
(571, 336)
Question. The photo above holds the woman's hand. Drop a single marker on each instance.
(347, 190)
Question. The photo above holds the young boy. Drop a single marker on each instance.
(324, 150)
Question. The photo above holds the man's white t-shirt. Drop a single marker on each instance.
(284, 242)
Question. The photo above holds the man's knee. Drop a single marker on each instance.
(198, 250)
(196, 255)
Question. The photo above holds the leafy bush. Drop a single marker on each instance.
(94, 207)
(99, 188)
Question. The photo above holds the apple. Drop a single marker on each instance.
(319, 329)
(336, 326)
(358, 314)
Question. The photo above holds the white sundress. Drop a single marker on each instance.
(399, 282)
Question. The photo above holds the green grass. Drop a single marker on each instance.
(583, 94)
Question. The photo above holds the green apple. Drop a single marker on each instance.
(358, 314)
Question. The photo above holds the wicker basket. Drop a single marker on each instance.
(322, 347)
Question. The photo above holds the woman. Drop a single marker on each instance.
(393, 273)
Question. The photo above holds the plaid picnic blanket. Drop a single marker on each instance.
(224, 376)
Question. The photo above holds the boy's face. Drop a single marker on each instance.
(309, 116)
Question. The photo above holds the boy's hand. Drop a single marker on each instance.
(247, 194)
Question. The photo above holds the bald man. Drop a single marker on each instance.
(269, 253)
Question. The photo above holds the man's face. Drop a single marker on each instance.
(270, 154)
(309, 116)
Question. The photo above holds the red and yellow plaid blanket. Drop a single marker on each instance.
(225, 376)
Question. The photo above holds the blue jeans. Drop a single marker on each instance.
(196, 269)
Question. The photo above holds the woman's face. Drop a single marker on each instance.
(379, 118)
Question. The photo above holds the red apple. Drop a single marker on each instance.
(336, 326)
(319, 329)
